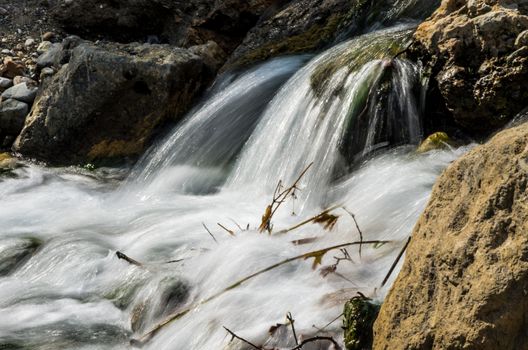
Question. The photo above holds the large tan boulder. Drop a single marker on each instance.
(464, 282)
(477, 55)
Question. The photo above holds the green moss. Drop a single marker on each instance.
(312, 39)
(358, 321)
(357, 54)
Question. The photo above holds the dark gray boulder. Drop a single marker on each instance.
(182, 23)
(12, 116)
(109, 100)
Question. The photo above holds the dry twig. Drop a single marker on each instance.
(210, 233)
(232, 233)
(127, 259)
(325, 218)
(279, 197)
(233, 336)
(292, 321)
(396, 262)
(316, 255)
(357, 227)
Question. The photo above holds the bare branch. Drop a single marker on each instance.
(314, 339)
(328, 324)
(210, 233)
(322, 217)
(396, 261)
(237, 225)
(318, 254)
(233, 336)
(127, 259)
(279, 197)
(357, 227)
(292, 321)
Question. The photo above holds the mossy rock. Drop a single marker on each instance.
(358, 321)
(438, 140)
(355, 54)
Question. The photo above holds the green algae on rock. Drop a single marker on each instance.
(358, 320)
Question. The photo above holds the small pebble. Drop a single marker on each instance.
(48, 36)
(29, 42)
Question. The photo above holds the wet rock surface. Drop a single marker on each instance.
(14, 252)
(464, 281)
(310, 25)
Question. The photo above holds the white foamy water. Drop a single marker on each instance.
(75, 282)
(63, 227)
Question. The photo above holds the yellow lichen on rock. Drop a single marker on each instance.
(437, 140)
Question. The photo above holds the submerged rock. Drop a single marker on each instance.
(476, 53)
(108, 101)
(160, 299)
(65, 335)
(464, 281)
(14, 252)
(8, 164)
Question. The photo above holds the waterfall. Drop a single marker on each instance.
(211, 136)
(346, 102)
(190, 209)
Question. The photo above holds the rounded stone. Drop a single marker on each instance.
(12, 116)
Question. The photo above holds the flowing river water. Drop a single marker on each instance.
(352, 112)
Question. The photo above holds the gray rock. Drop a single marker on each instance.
(29, 42)
(51, 58)
(12, 116)
(46, 73)
(43, 47)
(21, 92)
(19, 79)
(108, 100)
(5, 83)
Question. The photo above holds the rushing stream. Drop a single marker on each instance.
(352, 111)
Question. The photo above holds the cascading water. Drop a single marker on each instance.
(198, 153)
(326, 105)
(62, 286)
